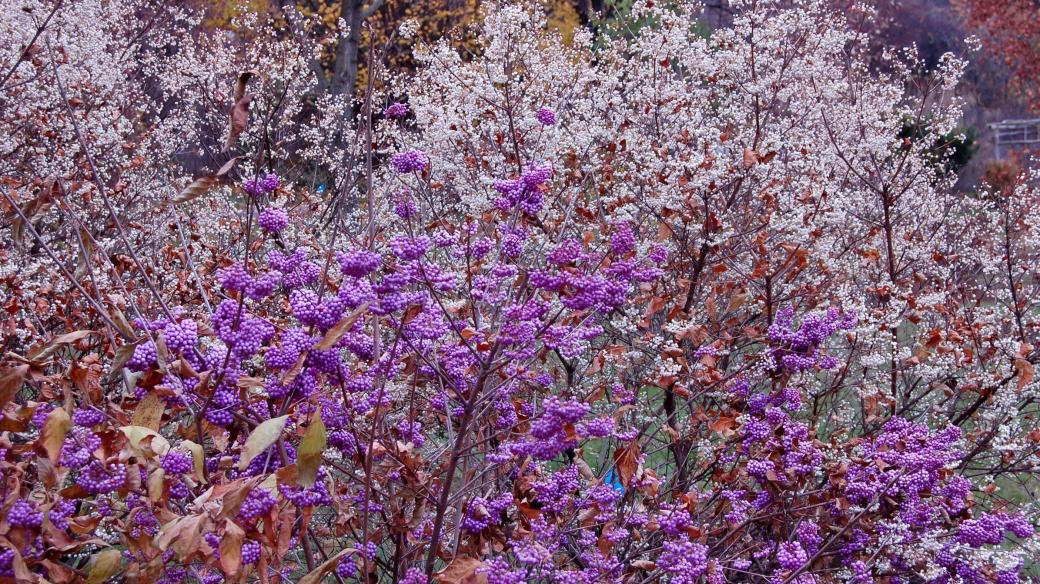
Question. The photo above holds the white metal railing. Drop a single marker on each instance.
(1011, 135)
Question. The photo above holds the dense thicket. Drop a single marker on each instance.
(651, 304)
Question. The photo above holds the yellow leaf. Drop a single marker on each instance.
(308, 457)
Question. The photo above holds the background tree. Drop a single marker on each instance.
(1011, 30)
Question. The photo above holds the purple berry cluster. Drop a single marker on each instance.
(546, 116)
(273, 219)
(88, 417)
(798, 348)
(24, 514)
(250, 552)
(527, 192)
(266, 185)
(78, 447)
(98, 477)
(410, 161)
(257, 504)
(145, 355)
(396, 110)
(177, 463)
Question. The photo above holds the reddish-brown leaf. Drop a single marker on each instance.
(231, 548)
(55, 428)
(461, 570)
(240, 111)
(1025, 372)
(626, 462)
(11, 380)
(336, 333)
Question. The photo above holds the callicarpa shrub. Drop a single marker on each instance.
(644, 306)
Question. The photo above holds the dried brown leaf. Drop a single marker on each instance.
(196, 189)
(316, 575)
(103, 565)
(240, 111)
(11, 380)
(231, 548)
(461, 570)
(336, 333)
(262, 437)
(626, 462)
(55, 428)
(149, 412)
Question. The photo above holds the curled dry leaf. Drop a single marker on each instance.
(626, 461)
(146, 441)
(53, 346)
(240, 111)
(155, 485)
(196, 189)
(86, 252)
(203, 185)
(35, 207)
(123, 354)
(1024, 369)
(197, 457)
(183, 534)
(644, 565)
(231, 548)
(149, 412)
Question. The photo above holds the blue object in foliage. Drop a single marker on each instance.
(320, 189)
(613, 480)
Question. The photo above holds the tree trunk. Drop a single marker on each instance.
(345, 69)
